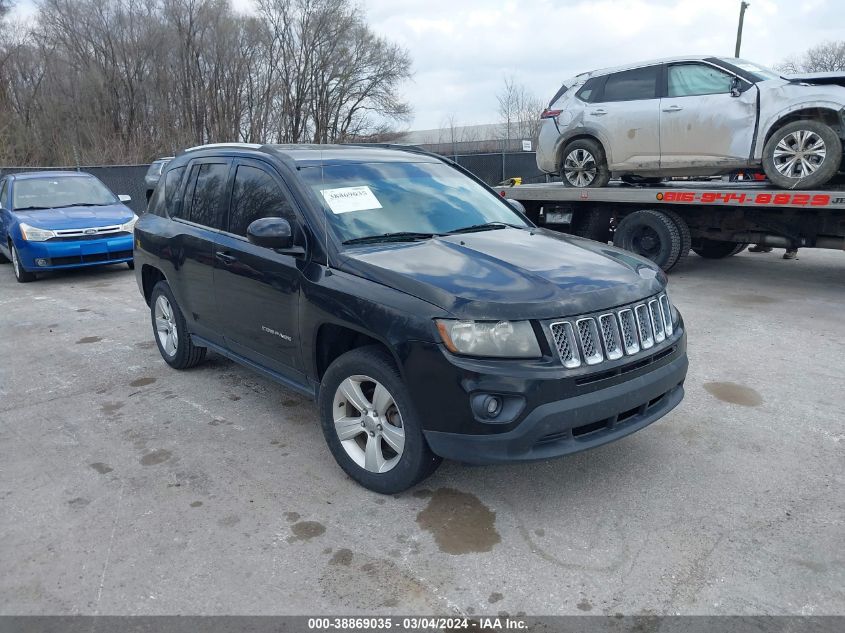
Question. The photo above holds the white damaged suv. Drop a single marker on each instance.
(694, 116)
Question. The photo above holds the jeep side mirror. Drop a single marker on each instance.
(736, 87)
(275, 233)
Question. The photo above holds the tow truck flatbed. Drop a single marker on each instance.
(664, 221)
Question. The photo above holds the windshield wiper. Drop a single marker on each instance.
(399, 236)
(87, 204)
(486, 226)
(33, 208)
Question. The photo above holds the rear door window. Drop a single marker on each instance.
(632, 85)
(591, 90)
(204, 194)
(4, 195)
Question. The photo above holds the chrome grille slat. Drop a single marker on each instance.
(629, 331)
(644, 326)
(567, 348)
(610, 337)
(656, 321)
(666, 310)
(592, 339)
(589, 335)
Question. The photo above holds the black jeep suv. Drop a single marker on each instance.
(427, 316)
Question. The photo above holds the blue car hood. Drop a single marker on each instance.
(76, 217)
(509, 273)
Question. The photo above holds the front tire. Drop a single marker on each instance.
(170, 330)
(21, 274)
(370, 424)
(584, 164)
(650, 234)
(802, 155)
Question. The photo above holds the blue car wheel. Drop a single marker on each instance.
(23, 276)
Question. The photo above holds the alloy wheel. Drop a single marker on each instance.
(15, 263)
(168, 335)
(799, 154)
(579, 168)
(368, 423)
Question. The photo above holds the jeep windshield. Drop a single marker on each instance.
(372, 202)
(32, 194)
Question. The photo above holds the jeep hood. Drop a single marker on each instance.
(509, 273)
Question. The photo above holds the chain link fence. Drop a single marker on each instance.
(492, 168)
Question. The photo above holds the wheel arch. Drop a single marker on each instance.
(577, 136)
(332, 340)
(824, 112)
(150, 276)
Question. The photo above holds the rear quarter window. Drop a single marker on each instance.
(166, 194)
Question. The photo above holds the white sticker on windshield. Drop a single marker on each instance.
(348, 199)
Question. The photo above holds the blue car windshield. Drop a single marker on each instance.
(60, 191)
(372, 199)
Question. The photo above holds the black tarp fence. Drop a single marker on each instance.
(492, 168)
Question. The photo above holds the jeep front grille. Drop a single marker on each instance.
(612, 335)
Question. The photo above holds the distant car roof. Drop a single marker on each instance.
(26, 175)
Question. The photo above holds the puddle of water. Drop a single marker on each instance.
(89, 339)
(142, 382)
(306, 530)
(734, 393)
(101, 468)
(158, 456)
(459, 522)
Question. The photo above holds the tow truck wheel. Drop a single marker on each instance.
(651, 234)
(715, 249)
(584, 164)
(594, 224)
(686, 236)
(802, 155)
(739, 248)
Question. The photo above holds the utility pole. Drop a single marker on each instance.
(742, 7)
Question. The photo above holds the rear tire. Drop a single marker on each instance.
(650, 234)
(131, 265)
(170, 330)
(802, 155)
(739, 248)
(683, 230)
(584, 164)
(714, 249)
(21, 274)
(363, 444)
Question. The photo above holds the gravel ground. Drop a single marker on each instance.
(130, 488)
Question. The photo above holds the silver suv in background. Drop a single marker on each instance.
(694, 116)
(154, 173)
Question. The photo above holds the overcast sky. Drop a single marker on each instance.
(463, 49)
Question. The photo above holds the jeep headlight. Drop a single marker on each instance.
(507, 339)
(32, 234)
(129, 226)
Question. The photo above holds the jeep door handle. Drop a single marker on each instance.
(225, 258)
(673, 108)
(598, 112)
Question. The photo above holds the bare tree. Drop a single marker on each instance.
(824, 57)
(97, 81)
(519, 111)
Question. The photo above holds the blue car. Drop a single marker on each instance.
(52, 220)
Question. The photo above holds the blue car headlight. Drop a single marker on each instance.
(129, 226)
(32, 234)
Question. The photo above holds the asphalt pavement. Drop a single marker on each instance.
(129, 488)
